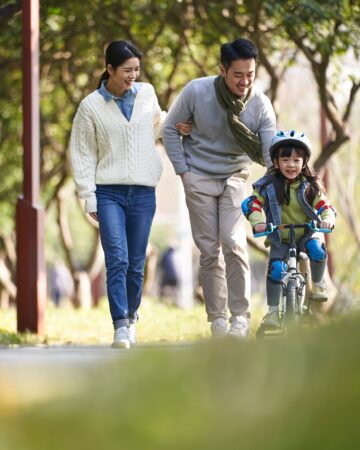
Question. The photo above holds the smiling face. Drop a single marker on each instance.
(240, 76)
(290, 164)
(122, 77)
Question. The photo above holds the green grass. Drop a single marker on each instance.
(65, 325)
(159, 322)
(296, 392)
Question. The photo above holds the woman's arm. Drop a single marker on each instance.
(83, 157)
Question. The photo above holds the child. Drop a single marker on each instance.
(289, 193)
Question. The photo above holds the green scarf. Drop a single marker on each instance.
(234, 106)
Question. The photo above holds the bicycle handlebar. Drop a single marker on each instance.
(311, 225)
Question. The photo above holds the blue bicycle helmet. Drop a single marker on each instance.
(292, 137)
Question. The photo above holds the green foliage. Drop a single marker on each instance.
(10, 121)
(11, 338)
(337, 23)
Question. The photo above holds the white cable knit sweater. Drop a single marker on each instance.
(107, 149)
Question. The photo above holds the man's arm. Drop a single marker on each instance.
(267, 130)
(180, 112)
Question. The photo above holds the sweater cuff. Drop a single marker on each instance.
(90, 204)
(181, 168)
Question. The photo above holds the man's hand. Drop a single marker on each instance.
(184, 175)
(94, 216)
(184, 128)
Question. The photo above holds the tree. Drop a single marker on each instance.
(8, 10)
(336, 33)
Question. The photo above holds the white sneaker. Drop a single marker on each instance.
(271, 321)
(319, 291)
(132, 333)
(121, 338)
(219, 327)
(239, 327)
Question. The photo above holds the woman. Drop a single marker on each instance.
(116, 167)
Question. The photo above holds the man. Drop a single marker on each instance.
(231, 119)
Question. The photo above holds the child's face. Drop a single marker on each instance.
(290, 166)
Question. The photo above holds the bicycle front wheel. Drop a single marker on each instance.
(291, 299)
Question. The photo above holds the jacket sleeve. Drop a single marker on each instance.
(324, 209)
(252, 208)
(83, 157)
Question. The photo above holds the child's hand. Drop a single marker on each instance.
(327, 225)
(259, 228)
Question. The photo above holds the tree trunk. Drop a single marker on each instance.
(7, 287)
(82, 290)
(82, 278)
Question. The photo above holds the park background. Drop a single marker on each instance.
(309, 68)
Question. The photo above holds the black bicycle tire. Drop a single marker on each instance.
(290, 299)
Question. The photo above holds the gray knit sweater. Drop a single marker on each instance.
(211, 149)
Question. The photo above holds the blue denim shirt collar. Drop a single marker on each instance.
(125, 103)
(107, 96)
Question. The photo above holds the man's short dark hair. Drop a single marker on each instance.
(239, 49)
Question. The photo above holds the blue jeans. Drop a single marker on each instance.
(125, 215)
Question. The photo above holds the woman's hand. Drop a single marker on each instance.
(184, 128)
(94, 216)
(259, 228)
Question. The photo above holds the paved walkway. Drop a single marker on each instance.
(28, 356)
(75, 355)
(33, 374)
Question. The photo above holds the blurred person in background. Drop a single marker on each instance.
(60, 282)
(169, 282)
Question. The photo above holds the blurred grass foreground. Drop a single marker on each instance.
(301, 392)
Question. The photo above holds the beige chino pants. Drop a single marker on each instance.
(218, 229)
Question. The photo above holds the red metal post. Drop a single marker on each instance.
(31, 273)
(324, 139)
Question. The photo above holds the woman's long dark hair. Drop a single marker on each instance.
(282, 185)
(116, 54)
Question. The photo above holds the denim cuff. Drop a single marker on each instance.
(121, 323)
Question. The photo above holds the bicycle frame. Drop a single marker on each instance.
(293, 282)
